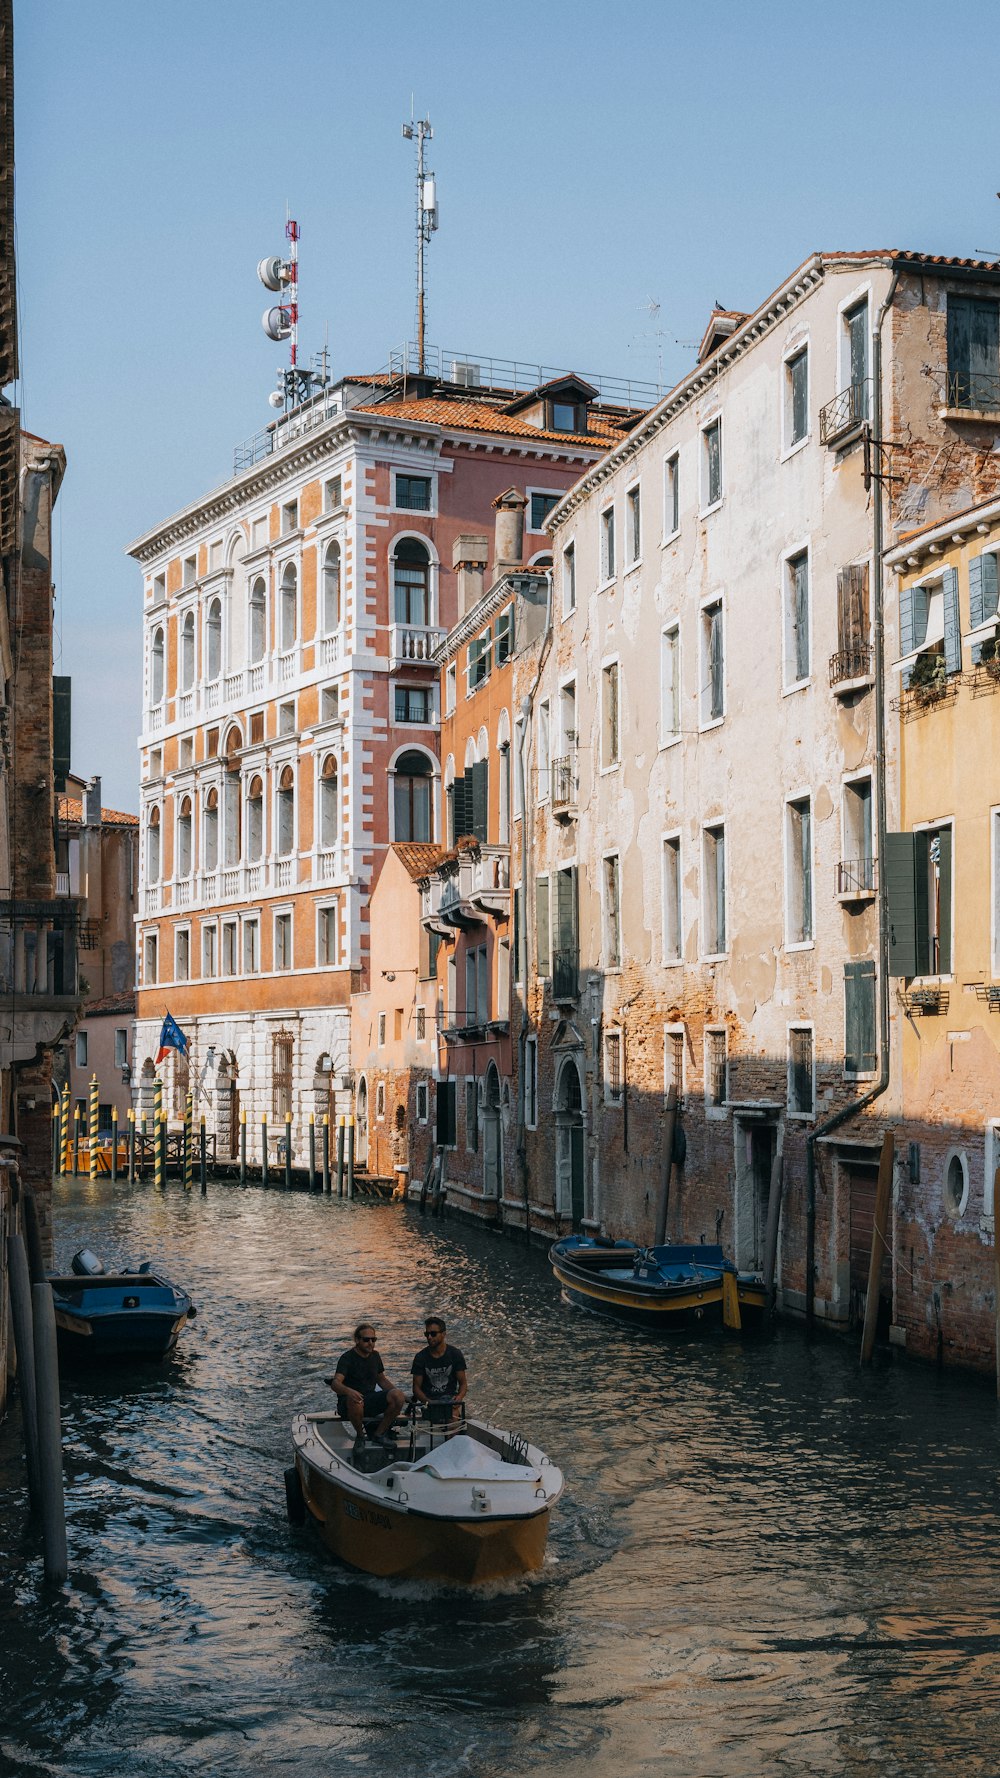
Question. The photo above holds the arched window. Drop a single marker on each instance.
(413, 808)
(213, 640)
(187, 651)
(236, 640)
(331, 589)
(411, 569)
(258, 621)
(184, 838)
(289, 608)
(211, 851)
(255, 820)
(153, 847)
(329, 804)
(286, 812)
(232, 807)
(156, 674)
(503, 748)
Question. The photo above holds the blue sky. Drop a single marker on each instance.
(589, 158)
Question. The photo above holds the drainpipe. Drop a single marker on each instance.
(523, 726)
(876, 1091)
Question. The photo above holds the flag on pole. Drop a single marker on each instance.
(171, 1038)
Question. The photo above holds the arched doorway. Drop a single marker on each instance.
(491, 1133)
(569, 1143)
(227, 1106)
(361, 1125)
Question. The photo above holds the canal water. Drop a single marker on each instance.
(764, 1563)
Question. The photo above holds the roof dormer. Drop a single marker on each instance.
(722, 323)
(562, 405)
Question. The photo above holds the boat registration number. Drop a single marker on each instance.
(367, 1518)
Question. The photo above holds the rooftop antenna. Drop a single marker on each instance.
(281, 322)
(427, 219)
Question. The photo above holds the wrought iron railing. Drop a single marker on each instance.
(856, 876)
(847, 410)
(851, 663)
(564, 782)
(973, 391)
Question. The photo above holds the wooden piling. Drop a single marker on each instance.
(24, 1347)
(350, 1157)
(312, 1151)
(142, 1149)
(326, 1152)
(76, 1142)
(160, 1153)
(666, 1165)
(131, 1146)
(56, 1561)
(114, 1144)
(288, 1151)
(56, 1165)
(93, 1117)
(341, 1123)
(64, 1123)
(188, 1142)
(883, 1207)
(265, 1177)
(243, 1146)
(771, 1233)
(202, 1159)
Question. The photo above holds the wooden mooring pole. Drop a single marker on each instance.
(24, 1346)
(880, 1243)
(326, 1151)
(56, 1562)
(666, 1165)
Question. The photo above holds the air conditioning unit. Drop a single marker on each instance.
(466, 375)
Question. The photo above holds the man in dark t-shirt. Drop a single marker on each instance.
(362, 1387)
(439, 1378)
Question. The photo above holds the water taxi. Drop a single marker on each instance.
(669, 1286)
(463, 1503)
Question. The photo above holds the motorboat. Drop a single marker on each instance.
(461, 1503)
(667, 1286)
(103, 1315)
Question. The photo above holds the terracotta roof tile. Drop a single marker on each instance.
(474, 416)
(417, 857)
(71, 809)
(111, 1003)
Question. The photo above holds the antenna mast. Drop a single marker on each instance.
(427, 220)
(282, 323)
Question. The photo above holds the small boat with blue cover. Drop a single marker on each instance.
(104, 1315)
(669, 1286)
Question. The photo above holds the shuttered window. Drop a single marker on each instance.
(983, 591)
(801, 1094)
(918, 869)
(973, 353)
(542, 925)
(446, 1120)
(859, 1017)
(565, 957)
(853, 616)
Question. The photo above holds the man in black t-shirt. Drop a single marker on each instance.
(362, 1387)
(439, 1378)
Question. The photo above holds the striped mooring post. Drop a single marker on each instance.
(64, 1119)
(312, 1151)
(157, 1100)
(350, 1157)
(264, 1177)
(131, 1146)
(243, 1145)
(56, 1162)
(202, 1160)
(326, 1151)
(142, 1150)
(76, 1141)
(288, 1151)
(188, 1142)
(114, 1144)
(93, 1102)
(160, 1153)
(341, 1122)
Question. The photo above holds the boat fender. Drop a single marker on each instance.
(678, 1153)
(604, 1241)
(295, 1502)
(192, 1312)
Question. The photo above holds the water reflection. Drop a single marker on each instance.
(764, 1562)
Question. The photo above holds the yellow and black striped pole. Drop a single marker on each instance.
(93, 1101)
(157, 1100)
(160, 1152)
(142, 1146)
(131, 1145)
(188, 1142)
(263, 1150)
(56, 1162)
(288, 1151)
(76, 1141)
(114, 1144)
(341, 1126)
(312, 1151)
(326, 1151)
(64, 1131)
(202, 1160)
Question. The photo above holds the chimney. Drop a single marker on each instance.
(92, 804)
(508, 550)
(469, 557)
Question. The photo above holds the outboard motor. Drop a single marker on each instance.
(86, 1264)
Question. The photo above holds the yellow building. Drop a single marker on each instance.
(943, 883)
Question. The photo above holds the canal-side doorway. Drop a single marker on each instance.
(361, 1132)
(756, 1143)
(491, 1133)
(569, 1143)
(862, 1184)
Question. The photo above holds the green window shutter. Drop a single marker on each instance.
(518, 977)
(480, 799)
(921, 611)
(463, 806)
(991, 586)
(542, 925)
(450, 826)
(906, 642)
(898, 864)
(944, 900)
(860, 1054)
(921, 902)
(976, 592)
(952, 625)
(446, 1113)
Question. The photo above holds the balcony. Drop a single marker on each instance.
(182, 892)
(156, 718)
(38, 972)
(62, 882)
(212, 695)
(412, 644)
(431, 917)
(152, 899)
(469, 1025)
(969, 395)
(565, 974)
(186, 706)
(288, 666)
(490, 886)
(564, 786)
(330, 650)
(330, 864)
(843, 417)
(283, 877)
(852, 669)
(255, 678)
(233, 686)
(856, 879)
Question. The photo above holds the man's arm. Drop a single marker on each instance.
(418, 1386)
(382, 1381)
(339, 1387)
(463, 1386)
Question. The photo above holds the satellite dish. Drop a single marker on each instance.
(277, 323)
(269, 273)
(276, 398)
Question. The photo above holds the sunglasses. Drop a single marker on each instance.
(366, 1339)
(431, 1331)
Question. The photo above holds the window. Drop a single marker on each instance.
(610, 737)
(230, 960)
(854, 359)
(956, 1183)
(860, 1055)
(974, 353)
(381, 1030)
(282, 941)
(478, 660)
(450, 689)
(569, 579)
(411, 798)
(713, 663)
(213, 640)
(472, 1116)
(150, 959)
(715, 892)
(796, 398)
(413, 704)
(329, 703)
(156, 673)
(329, 804)
(530, 1082)
(159, 588)
(477, 1007)
(633, 526)
(541, 506)
(260, 531)
(612, 913)
(182, 954)
(670, 684)
(81, 1049)
(255, 820)
(156, 763)
(613, 1088)
(503, 981)
(608, 544)
(282, 1059)
(673, 1061)
(187, 651)
(186, 753)
(673, 936)
(413, 493)
(503, 634)
(209, 942)
(286, 813)
(853, 622)
(544, 755)
(189, 572)
(564, 417)
(411, 583)
(331, 589)
(797, 618)
(711, 465)
(184, 838)
(930, 632)
(289, 517)
(446, 1114)
(333, 494)
(211, 858)
(251, 947)
(801, 1084)
(857, 869)
(421, 1024)
(671, 496)
(286, 718)
(326, 936)
(153, 847)
(918, 881)
(258, 621)
(799, 868)
(566, 935)
(421, 1100)
(542, 940)
(716, 1070)
(288, 608)
(380, 1101)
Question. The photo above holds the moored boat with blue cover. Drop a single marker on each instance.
(104, 1315)
(677, 1285)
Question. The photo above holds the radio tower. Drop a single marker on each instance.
(427, 220)
(282, 322)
